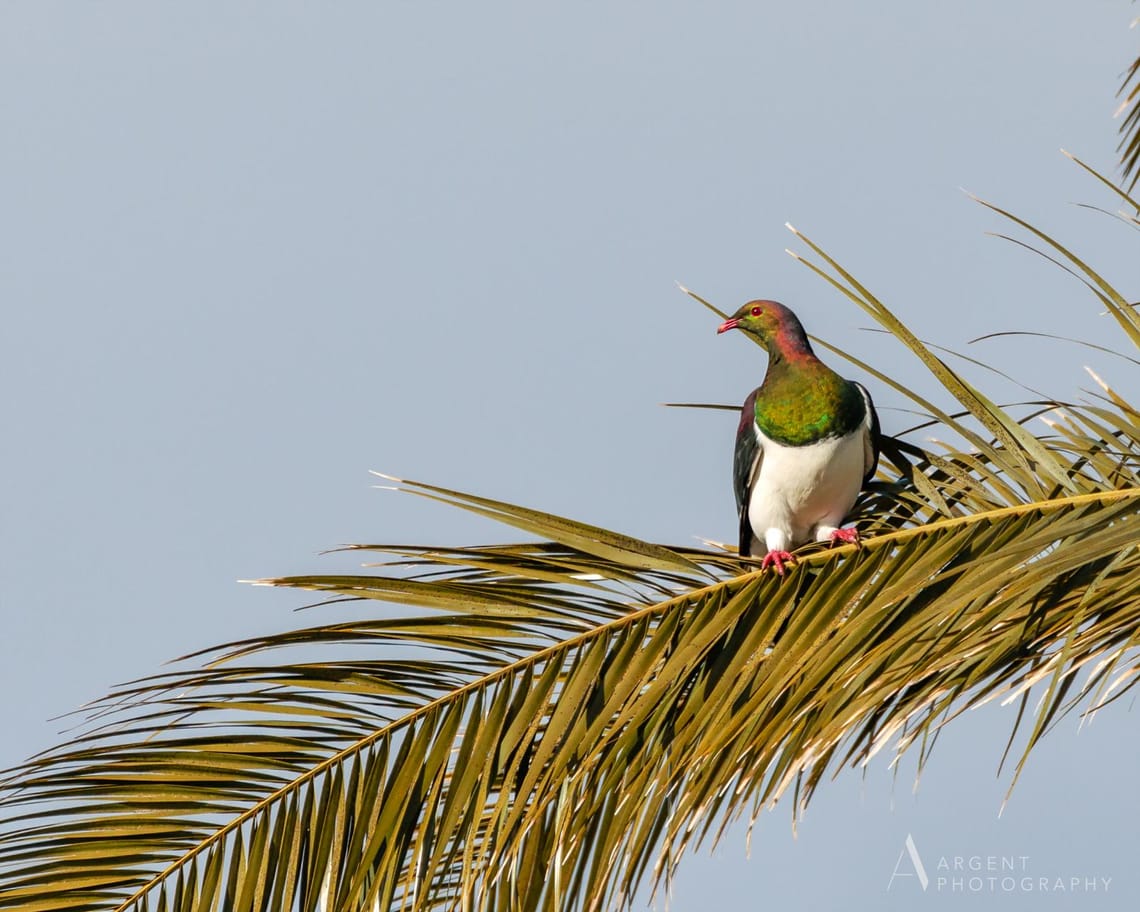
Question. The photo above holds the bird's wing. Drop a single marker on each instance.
(745, 467)
(871, 435)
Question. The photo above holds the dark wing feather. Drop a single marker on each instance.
(745, 466)
(871, 430)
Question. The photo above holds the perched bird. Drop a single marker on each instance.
(807, 441)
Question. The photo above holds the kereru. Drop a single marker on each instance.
(807, 441)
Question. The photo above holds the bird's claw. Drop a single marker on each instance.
(776, 558)
(849, 536)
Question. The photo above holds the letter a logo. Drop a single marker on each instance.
(915, 861)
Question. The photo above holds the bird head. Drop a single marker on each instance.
(764, 319)
(772, 324)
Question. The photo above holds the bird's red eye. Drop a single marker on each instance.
(756, 311)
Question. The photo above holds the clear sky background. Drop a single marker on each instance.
(250, 251)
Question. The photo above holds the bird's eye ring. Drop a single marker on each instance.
(756, 311)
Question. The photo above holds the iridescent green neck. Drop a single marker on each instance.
(803, 400)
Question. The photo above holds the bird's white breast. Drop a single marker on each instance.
(803, 491)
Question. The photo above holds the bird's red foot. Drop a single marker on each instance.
(848, 536)
(776, 559)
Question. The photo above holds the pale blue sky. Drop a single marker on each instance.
(248, 252)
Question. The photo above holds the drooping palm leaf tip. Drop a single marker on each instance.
(551, 724)
(1129, 109)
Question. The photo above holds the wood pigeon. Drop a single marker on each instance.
(807, 442)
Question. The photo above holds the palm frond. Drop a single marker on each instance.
(550, 724)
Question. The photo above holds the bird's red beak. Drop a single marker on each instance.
(727, 325)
